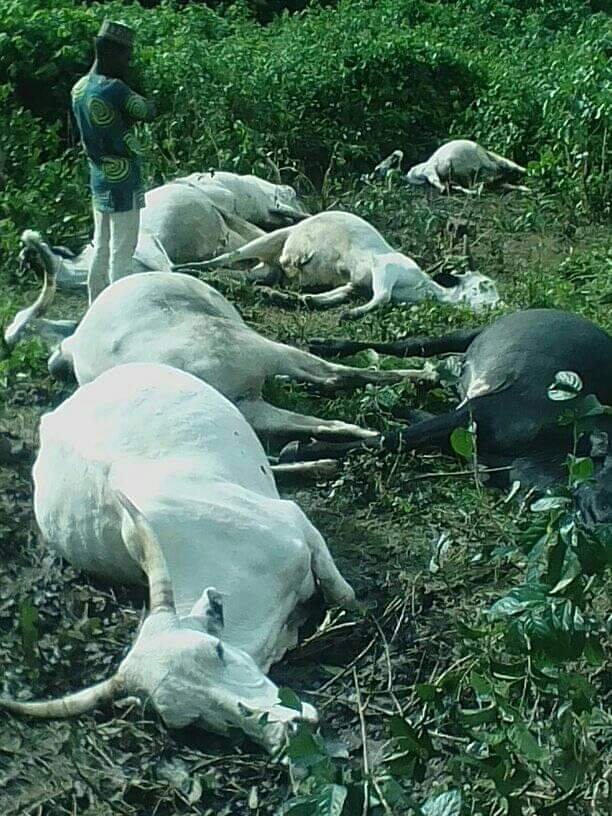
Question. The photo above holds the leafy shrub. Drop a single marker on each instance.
(349, 82)
(549, 96)
(334, 87)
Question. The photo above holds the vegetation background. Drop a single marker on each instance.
(431, 703)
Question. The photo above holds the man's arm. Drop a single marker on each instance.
(136, 107)
(139, 108)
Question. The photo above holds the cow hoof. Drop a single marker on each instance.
(346, 316)
(303, 452)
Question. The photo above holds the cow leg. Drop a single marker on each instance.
(285, 300)
(296, 472)
(300, 365)
(383, 281)
(268, 420)
(433, 178)
(520, 187)
(465, 190)
(430, 432)
(332, 298)
(456, 342)
(335, 589)
(266, 248)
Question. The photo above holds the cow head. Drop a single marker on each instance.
(287, 208)
(391, 163)
(475, 290)
(417, 175)
(30, 321)
(181, 666)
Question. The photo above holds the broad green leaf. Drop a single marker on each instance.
(594, 550)
(426, 692)
(331, 800)
(591, 406)
(517, 600)
(462, 442)
(478, 716)
(444, 804)
(303, 745)
(580, 469)
(302, 806)
(555, 628)
(525, 743)
(593, 652)
(289, 699)
(482, 687)
(392, 791)
(579, 693)
(336, 749)
(409, 739)
(403, 765)
(470, 632)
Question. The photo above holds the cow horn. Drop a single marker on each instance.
(33, 240)
(71, 705)
(144, 547)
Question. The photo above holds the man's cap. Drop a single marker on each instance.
(116, 32)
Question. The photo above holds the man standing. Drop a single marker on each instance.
(105, 109)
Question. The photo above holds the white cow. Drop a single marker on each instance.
(249, 197)
(195, 218)
(459, 161)
(342, 251)
(230, 564)
(179, 320)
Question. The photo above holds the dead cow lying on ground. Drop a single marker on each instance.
(458, 162)
(507, 373)
(341, 251)
(195, 218)
(179, 320)
(230, 565)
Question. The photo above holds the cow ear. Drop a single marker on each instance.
(207, 613)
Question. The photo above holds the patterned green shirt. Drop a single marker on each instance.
(105, 109)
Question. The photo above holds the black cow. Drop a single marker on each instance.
(507, 371)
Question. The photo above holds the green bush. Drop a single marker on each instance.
(335, 85)
(347, 83)
(549, 103)
(357, 81)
